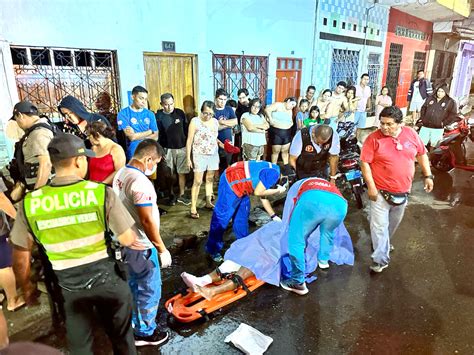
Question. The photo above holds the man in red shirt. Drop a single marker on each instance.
(388, 165)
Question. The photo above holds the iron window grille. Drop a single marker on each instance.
(234, 72)
(344, 66)
(44, 75)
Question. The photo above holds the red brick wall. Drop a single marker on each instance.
(410, 46)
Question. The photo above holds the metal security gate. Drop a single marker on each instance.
(373, 69)
(344, 66)
(418, 63)
(45, 75)
(234, 72)
(393, 69)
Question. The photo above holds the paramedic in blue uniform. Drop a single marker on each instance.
(318, 203)
(236, 184)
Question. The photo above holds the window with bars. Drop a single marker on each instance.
(44, 75)
(418, 63)
(344, 66)
(233, 72)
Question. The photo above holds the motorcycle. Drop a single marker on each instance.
(350, 174)
(450, 152)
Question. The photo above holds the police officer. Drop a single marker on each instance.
(236, 184)
(31, 165)
(69, 220)
(311, 150)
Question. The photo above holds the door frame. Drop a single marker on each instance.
(194, 58)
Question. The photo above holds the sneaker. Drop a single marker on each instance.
(184, 200)
(375, 267)
(323, 264)
(172, 200)
(392, 248)
(217, 258)
(299, 289)
(156, 338)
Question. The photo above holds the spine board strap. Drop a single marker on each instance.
(236, 279)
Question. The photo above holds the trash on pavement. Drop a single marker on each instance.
(249, 340)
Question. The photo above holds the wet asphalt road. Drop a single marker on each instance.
(421, 304)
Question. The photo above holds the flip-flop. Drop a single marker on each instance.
(17, 307)
(210, 208)
(194, 215)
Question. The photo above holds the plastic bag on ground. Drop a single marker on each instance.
(249, 340)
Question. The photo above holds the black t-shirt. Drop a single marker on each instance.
(241, 109)
(173, 128)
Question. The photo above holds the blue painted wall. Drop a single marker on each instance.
(352, 12)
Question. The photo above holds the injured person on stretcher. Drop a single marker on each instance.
(231, 273)
(285, 253)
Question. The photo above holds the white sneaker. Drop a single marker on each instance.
(323, 264)
(375, 267)
(299, 289)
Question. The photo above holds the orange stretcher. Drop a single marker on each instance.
(192, 306)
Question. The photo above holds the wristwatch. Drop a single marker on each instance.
(429, 177)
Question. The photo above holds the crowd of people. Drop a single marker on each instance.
(86, 193)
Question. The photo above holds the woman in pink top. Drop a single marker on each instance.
(203, 144)
(383, 100)
(110, 156)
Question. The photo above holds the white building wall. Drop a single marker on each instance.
(262, 27)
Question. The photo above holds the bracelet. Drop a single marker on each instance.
(333, 177)
(429, 177)
(273, 216)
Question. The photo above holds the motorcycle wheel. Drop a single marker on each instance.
(441, 162)
(357, 190)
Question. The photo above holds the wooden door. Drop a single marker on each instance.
(174, 73)
(288, 78)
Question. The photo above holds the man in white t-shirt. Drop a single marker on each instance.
(137, 193)
(364, 105)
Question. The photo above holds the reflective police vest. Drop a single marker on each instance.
(69, 222)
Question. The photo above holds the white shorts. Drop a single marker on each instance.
(431, 135)
(416, 106)
(205, 162)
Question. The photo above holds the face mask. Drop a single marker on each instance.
(149, 172)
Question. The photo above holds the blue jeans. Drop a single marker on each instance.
(145, 283)
(314, 209)
(384, 221)
(228, 206)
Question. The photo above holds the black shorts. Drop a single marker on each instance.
(5, 252)
(279, 136)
